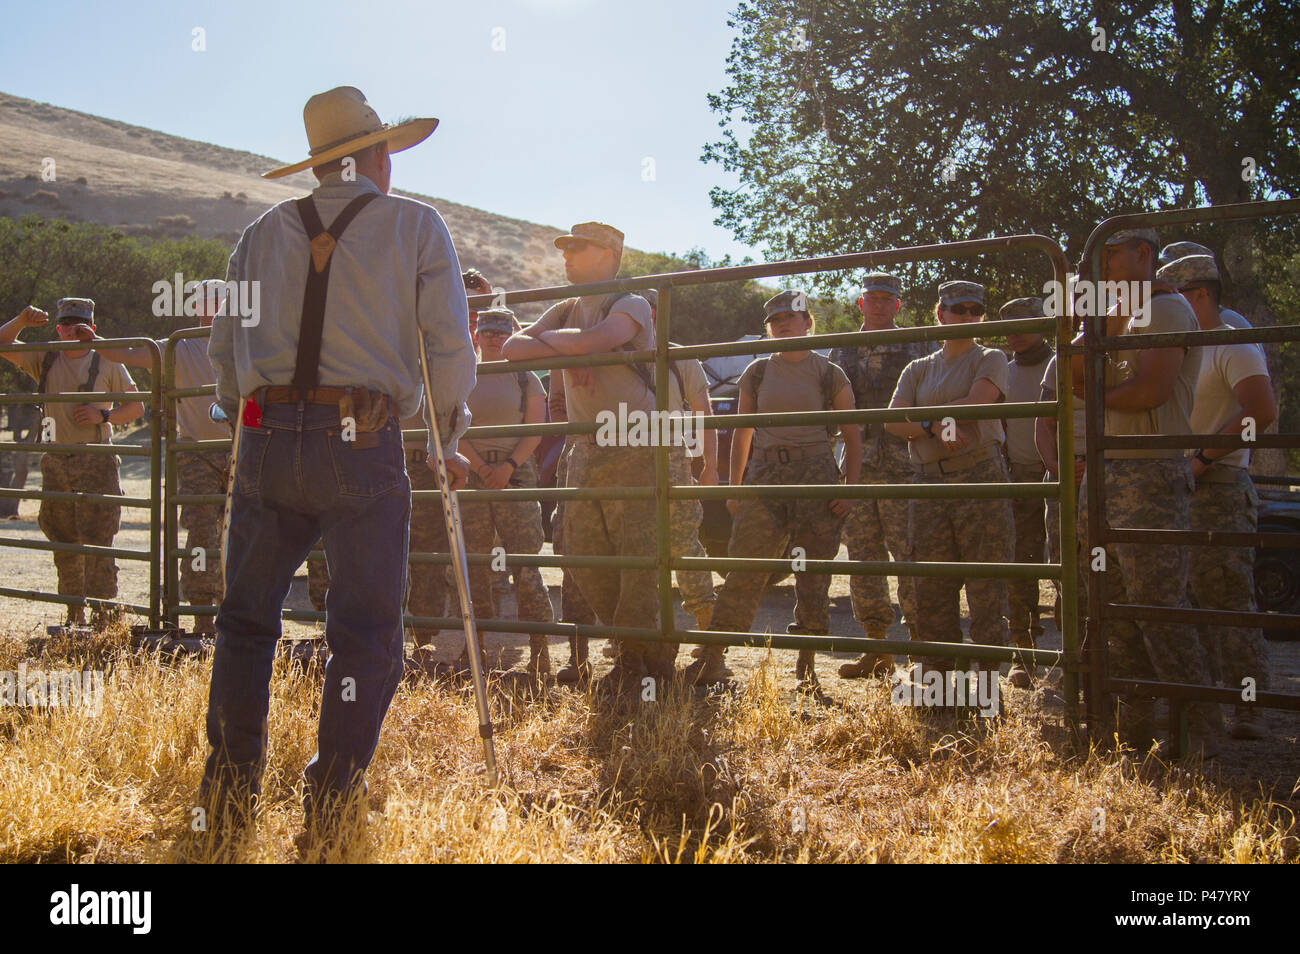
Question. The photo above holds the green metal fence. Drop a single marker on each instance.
(153, 503)
(663, 492)
(1101, 686)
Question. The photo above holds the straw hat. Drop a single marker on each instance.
(341, 122)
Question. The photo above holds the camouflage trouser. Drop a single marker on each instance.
(1224, 577)
(968, 531)
(574, 607)
(202, 473)
(1146, 493)
(615, 528)
(518, 524)
(1031, 541)
(696, 586)
(75, 521)
(876, 530)
(426, 592)
(769, 529)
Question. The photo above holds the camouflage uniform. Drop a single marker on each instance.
(76, 521)
(426, 583)
(768, 529)
(876, 529)
(616, 528)
(696, 586)
(1224, 577)
(1030, 543)
(969, 531)
(519, 526)
(204, 472)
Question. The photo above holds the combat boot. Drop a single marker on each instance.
(578, 670)
(805, 673)
(1204, 731)
(539, 655)
(1135, 723)
(628, 672)
(871, 664)
(76, 615)
(1018, 675)
(103, 618)
(1247, 724)
(710, 668)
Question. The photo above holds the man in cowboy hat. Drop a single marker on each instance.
(352, 282)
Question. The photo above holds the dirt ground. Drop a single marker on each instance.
(1273, 763)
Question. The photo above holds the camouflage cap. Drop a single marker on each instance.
(497, 319)
(1132, 235)
(954, 293)
(597, 233)
(882, 281)
(1176, 250)
(215, 291)
(1023, 308)
(789, 301)
(72, 310)
(1188, 269)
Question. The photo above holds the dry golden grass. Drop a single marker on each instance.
(743, 778)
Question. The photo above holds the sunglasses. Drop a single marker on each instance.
(975, 310)
(493, 334)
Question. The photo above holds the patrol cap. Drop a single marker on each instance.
(71, 311)
(497, 319)
(784, 302)
(1176, 250)
(597, 233)
(881, 281)
(1189, 269)
(215, 291)
(1023, 308)
(1135, 235)
(954, 293)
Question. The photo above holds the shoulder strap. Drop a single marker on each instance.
(89, 384)
(828, 383)
(521, 378)
(306, 371)
(760, 369)
(47, 362)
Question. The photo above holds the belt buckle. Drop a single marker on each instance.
(783, 455)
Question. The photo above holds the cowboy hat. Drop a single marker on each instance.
(340, 122)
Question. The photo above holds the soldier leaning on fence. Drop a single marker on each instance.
(76, 521)
(958, 452)
(330, 364)
(696, 586)
(1030, 354)
(1147, 392)
(1233, 395)
(771, 528)
(593, 325)
(878, 529)
(198, 472)
(500, 462)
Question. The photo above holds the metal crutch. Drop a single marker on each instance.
(456, 538)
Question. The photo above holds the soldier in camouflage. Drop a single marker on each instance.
(876, 529)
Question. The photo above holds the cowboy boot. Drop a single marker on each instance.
(578, 670)
(871, 664)
(539, 655)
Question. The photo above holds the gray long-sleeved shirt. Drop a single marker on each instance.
(393, 275)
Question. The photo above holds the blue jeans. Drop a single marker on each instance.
(297, 481)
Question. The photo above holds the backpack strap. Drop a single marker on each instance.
(521, 378)
(47, 362)
(760, 368)
(306, 371)
(89, 384)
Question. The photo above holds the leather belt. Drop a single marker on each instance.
(288, 394)
(955, 465)
(783, 455)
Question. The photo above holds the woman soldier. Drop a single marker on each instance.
(495, 462)
(952, 452)
(772, 528)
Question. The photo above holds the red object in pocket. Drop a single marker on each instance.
(252, 414)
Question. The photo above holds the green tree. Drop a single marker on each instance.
(703, 314)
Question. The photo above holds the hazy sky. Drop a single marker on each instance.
(555, 128)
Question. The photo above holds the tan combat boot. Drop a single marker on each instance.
(871, 664)
(578, 670)
(539, 655)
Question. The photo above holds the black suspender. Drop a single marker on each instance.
(306, 371)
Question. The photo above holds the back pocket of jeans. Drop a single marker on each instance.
(253, 442)
(368, 471)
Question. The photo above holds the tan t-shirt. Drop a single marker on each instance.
(1024, 384)
(193, 370)
(611, 385)
(1223, 367)
(1169, 312)
(935, 380)
(789, 386)
(693, 380)
(495, 401)
(1080, 414)
(69, 374)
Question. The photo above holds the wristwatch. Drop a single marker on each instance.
(1200, 455)
(105, 414)
(928, 427)
(513, 465)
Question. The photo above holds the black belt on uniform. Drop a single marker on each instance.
(785, 454)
